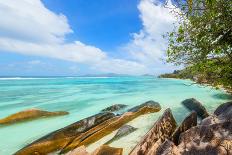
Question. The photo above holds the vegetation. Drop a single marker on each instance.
(202, 41)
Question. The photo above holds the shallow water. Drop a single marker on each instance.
(83, 97)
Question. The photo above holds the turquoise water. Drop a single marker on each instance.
(83, 97)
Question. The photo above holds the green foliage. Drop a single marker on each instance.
(203, 41)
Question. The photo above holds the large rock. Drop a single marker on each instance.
(123, 131)
(224, 111)
(188, 122)
(151, 104)
(207, 139)
(109, 126)
(162, 129)
(193, 104)
(30, 115)
(107, 150)
(167, 148)
(114, 108)
(62, 137)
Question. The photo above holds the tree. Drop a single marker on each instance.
(203, 40)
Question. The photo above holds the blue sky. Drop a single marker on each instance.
(76, 37)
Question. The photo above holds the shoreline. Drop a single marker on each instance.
(159, 95)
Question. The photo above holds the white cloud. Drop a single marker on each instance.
(28, 27)
(148, 46)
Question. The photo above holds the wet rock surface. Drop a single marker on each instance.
(114, 108)
(30, 114)
(123, 131)
(62, 137)
(193, 105)
(111, 125)
(162, 129)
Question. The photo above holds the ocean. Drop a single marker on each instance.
(86, 96)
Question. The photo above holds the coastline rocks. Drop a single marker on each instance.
(114, 108)
(188, 122)
(150, 104)
(193, 104)
(162, 129)
(110, 126)
(30, 115)
(62, 137)
(123, 131)
(209, 139)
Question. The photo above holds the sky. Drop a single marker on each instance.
(78, 37)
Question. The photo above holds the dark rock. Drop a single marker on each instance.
(207, 140)
(123, 131)
(224, 111)
(107, 150)
(162, 129)
(114, 108)
(193, 104)
(154, 105)
(167, 148)
(188, 122)
(108, 127)
(30, 115)
(62, 137)
(212, 119)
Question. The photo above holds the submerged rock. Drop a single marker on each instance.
(109, 126)
(114, 108)
(162, 129)
(150, 104)
(30, 115)
(123, 131)
(188, 122)
(107, 150)
(60, 138)
(193, 104)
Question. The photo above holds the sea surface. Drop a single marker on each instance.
(86, 96)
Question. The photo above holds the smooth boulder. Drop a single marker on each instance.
(187, 123)
(114, 108)
(30, 114)
(123, 131)
(193, 105)
(58, 139)
(224, 111)
(161, 130)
